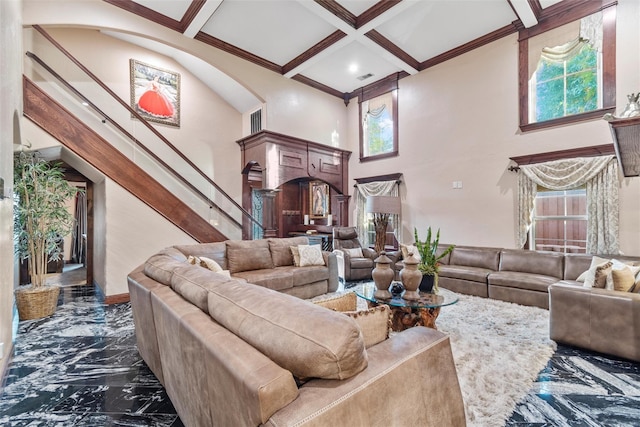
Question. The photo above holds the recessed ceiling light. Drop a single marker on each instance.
(353, 68)
(85, 103)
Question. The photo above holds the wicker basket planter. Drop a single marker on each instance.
(36, 303)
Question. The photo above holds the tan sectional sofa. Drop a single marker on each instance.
(269, 263)
(233, 353)
(606, 321)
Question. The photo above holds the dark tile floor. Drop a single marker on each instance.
(81, 368)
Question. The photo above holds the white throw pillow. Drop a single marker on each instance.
(310, 255)
(354, 252)
(210, 264)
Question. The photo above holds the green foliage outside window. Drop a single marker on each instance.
(380, 134)
(569, 87)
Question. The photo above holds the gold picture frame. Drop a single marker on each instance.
(319, 199)
(155, 93)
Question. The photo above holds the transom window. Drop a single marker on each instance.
(560, 221)
(378, 111)
(567, 86)
(567, 67)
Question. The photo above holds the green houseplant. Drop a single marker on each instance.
(40, 218)
(430, 258)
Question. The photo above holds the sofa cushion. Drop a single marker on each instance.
(160, 266)
(193, 283)
(246, 255)
(474, 274)
(469, 256)
(361, 263)
(514, 279)
(280, 249)
(306, 275)
(278, 279)
(308, 340)
(216, 251)
(525, 261)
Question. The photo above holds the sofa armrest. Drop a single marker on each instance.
(595, 319)
(418, 359)
(369, 253)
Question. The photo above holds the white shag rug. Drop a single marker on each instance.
(499, 348)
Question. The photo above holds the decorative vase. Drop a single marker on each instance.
(382, 276)
(410, 277)
(427, 283)
(396, 289)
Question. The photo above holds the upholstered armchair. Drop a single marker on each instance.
(354, 261)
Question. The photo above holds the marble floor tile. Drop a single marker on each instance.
(81, 367)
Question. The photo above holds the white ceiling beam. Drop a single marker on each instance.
(524, 12)
(204, 14)
(353, 35)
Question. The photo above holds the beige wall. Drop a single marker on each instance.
(10, 113)
(133, 232)
(459, 122)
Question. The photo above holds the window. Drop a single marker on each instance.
(567, 67)
(378, 110)
(560, 221)
(378, 125)
(567, 86)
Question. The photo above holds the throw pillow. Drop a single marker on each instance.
(588, 276)
(296, 255)
(374, 323)
(210, 264)
(193, 260)
(409, 249)
(310, 255)
(344, 302)
(601, 273)
(354, 252)
(620, 266)
(623, 279)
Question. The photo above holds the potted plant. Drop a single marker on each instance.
(429, 259)
(40, 218)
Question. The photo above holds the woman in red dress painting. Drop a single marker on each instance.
(154, 102)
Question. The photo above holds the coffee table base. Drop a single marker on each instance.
(406, 317)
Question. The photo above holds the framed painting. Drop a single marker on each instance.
(319, 199)
(155, 93)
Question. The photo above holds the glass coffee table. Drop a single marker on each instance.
(407, 314)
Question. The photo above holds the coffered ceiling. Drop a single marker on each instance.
(339, 46)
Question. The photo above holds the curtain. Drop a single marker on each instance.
(562, 42)
(376, 188)
(600, 174)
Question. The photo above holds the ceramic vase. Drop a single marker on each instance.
(411, 277)
(382, 276)
(427, 283)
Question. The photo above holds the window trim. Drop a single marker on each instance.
(554, 20)
(389, 84)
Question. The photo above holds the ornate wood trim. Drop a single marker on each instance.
(338, 10)
(317, 85)
(467, 47)
(388, 177)
(392, 48)
(592, 151)
(229, 48)
(375, 11)
(316, 49)
(159, 18)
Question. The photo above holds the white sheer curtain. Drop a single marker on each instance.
(600, 174)
(376, 188)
